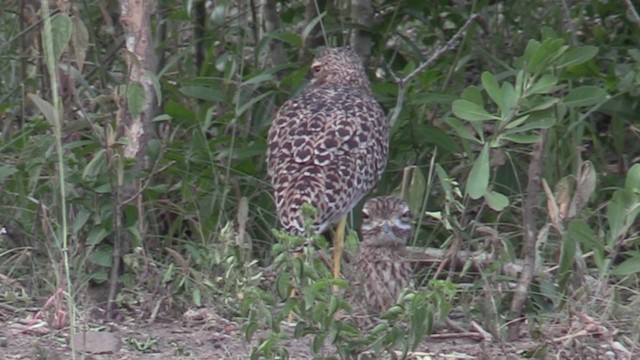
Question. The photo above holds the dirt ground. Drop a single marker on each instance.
(203, 335)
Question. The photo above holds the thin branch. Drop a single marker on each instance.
(530, 235)
(402, 83)
(632, 13)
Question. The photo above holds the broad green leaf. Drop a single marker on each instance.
(102, 256)
(546, 104)
(577, 56)
(567, 256)
(283, 286)
(7, 171)
(470, 111)
(196, 296)
(492, 88)
(632, 183)
(312, 24)
(583, 234)
(478, 179)
(544, 85)
(628, 267)
(258, 79)
(620, 206)
(585, 96)
(530, 50)
(521, 138)
(286, 37)
(136, 98)
(252, 101)
(547, 52)
(45, 108)
(96, 235)
(80, 41)
(461, 129)
(95, 167)
(496, 200)
(417, 190)
(509, 100)
(473, 94)
(61, 28)
(542, 123)
(517, 122)
(80, 219)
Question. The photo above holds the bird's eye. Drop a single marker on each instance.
(365, 215)
(316, 68)
(406, 215)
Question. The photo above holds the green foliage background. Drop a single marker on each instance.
(467, 123)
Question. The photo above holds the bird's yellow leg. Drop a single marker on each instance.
(338, 248)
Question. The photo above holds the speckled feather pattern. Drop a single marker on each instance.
(382, 271)
(328, 145)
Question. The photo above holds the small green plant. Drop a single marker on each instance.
(304, 282)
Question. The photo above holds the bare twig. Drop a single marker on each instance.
(530, 235)
(570, 24)
(402, 83)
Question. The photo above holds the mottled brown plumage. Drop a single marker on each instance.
(382, 270)
(328, 145)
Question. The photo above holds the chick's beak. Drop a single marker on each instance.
(386, 227)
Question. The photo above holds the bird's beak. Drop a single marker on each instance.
(386, 227)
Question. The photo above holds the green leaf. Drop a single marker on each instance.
(492, 88)
(583, 234)
(417, 190)
(102, 256)
(61, 27)
(478, 179)
(462, 130)
(286, 37)
(585, 96)
(578, 56)
(136, 98)
(80, 41)
(632, 183)
(45, 108)
(96, 236)
(196, 296)
(496, 200)
(509, 100)
(470, 111)
(567, 256)
(258, 79)
(312, 24)
(96, 166)
(540, 123)
(80, 219)
(520, 138)
(544, 85)
(473, 94)
(628, 267)
(550, 50)
(7, 171)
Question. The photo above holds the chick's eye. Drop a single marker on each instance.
(365, 216)
(406, 215)
(316, 68)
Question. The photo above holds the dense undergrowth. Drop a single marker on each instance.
(202, 229)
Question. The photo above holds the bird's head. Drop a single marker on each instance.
(339, 66)
(386, 221)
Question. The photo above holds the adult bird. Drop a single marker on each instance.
(381, 268)
(328, 146)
